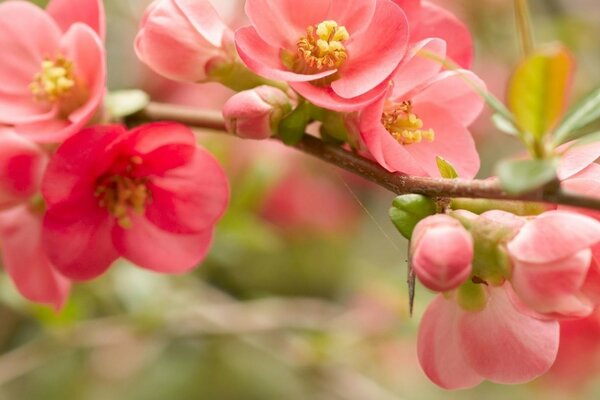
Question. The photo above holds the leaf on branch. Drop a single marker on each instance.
(538, 90)
(505, 125)
(521, 176)
(581, 115)
(446, 169)
(123, 103)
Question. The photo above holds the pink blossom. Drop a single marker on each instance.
(183, 39)
(150, 195)
(424, 115)
(503, 342)
(53, 75)
(255, 113)
(428, 20)
(442, 252)
(552, 263)
(336, 53)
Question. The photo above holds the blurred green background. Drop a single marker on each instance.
(303, 295)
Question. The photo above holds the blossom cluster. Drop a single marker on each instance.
(76, 194)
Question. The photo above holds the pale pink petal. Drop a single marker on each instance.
(592, 171)
(204, 18)
(77, 237)
(439, 347)
(375, 53)
(577, 158)
(152, 248)
(554, 288)
(25, 260)
(583, 186)
(436, 21)
(265, 59)
(554, 235)
(454, 92)
(453, 142)
(191, 198)
(68, 12)
(504, 345)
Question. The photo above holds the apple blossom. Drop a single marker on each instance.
(150, 195)
(52, 82)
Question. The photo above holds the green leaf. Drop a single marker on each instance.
(582, 114)
(538, 89)
(407, 210)
(521, 176)
(505, 125)
(292, 127)
(123, 103)
(446, 169)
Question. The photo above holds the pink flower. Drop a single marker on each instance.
(428, 20)
(256, 113)
(424, 115)
(442, 253)
(53, 75)
(150, 195)
(336, 53)
(183, 39)
(502, 342)
(552, 262)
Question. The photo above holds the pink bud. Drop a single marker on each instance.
(180, 39)
(255, 114)
(442, 252)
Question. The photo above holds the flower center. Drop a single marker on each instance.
(321, 49)
(119, 193)
(404, 126)
(55, 80)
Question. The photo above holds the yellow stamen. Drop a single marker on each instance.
(56, 80)
(322, 48)
(404, 126)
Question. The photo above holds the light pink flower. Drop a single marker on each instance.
(428, 20)
(52, 76)
(183, 39)
(442, 252)
(336, 53)
(552, 262)
(425, 114)
(504, 342)
(150, 195)
(255, 113)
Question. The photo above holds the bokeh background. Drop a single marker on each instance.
(303, 295)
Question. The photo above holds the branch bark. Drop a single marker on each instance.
(396, 183)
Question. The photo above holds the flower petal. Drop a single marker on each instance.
(88, 12)
(577, 158)
(204, 18)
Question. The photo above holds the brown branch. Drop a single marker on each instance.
(396, 183)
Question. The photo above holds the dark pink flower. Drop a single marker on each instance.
(52, 76)
(336, 53)
(150, 195)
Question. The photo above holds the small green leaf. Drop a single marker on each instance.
(538, 89)
(446, 169)
(521, 176)
(505, 125)
(123, 103)
(407, 210)
(292, 127)
(582, 114)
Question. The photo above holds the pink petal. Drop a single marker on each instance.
(577, 158)
(88, 12)
(453, 142)
(554, 235)
(454, 92)
(77, 238)
(390, 154)
(191, 198)
(204, 18)
(504, 345)
(265, 59)
(375, 53)
(554, 288)
(412, 9)
(25, 260)
(152, 248)
(583, 186)
(436, 21)
(439, 347)
(355, 15)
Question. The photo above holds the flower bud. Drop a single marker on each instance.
(255, 114)
(442, 253)
(182, 39)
